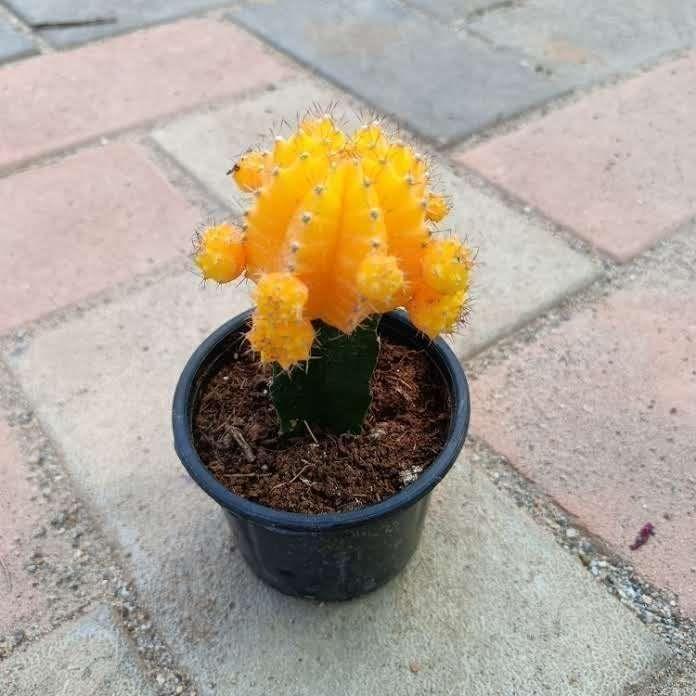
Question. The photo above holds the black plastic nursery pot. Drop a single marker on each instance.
(328, 556)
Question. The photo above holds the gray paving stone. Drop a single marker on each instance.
(88, 657)
(522, 269)
(439, 83)
(490, 604)
(588, 39)
(13, 45)
(124, 15)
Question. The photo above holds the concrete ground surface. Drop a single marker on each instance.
(563, 132)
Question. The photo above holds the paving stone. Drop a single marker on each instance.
(600, 412)
(122, 15)
(13, 45)
(88, 221)
(441, 84)
(590, 39)
(20, 603)
(88, 657)
(521, 270)
(614, 167)
(489, 605)
(63, 99)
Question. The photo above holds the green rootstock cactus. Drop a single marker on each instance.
(339, 230)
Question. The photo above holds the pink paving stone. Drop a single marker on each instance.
(20, 603)
(618, 167)
(75, 227)
(61, 99)
(601, 412)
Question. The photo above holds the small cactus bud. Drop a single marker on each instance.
(248, 172)
(285, 343)
(280, 297)
(436, 207)
(220, 253)
(446, 265)
(380, 280)
(434, 313)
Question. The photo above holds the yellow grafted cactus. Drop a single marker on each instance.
(220, 254)
(339, 228)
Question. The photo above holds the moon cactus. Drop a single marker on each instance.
(339, 230)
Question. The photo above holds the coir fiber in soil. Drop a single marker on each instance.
(235, 431)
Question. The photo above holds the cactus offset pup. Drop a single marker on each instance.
(339, 230)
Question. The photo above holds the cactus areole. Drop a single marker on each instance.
(339, 229)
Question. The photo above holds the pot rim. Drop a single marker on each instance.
(437, 350)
